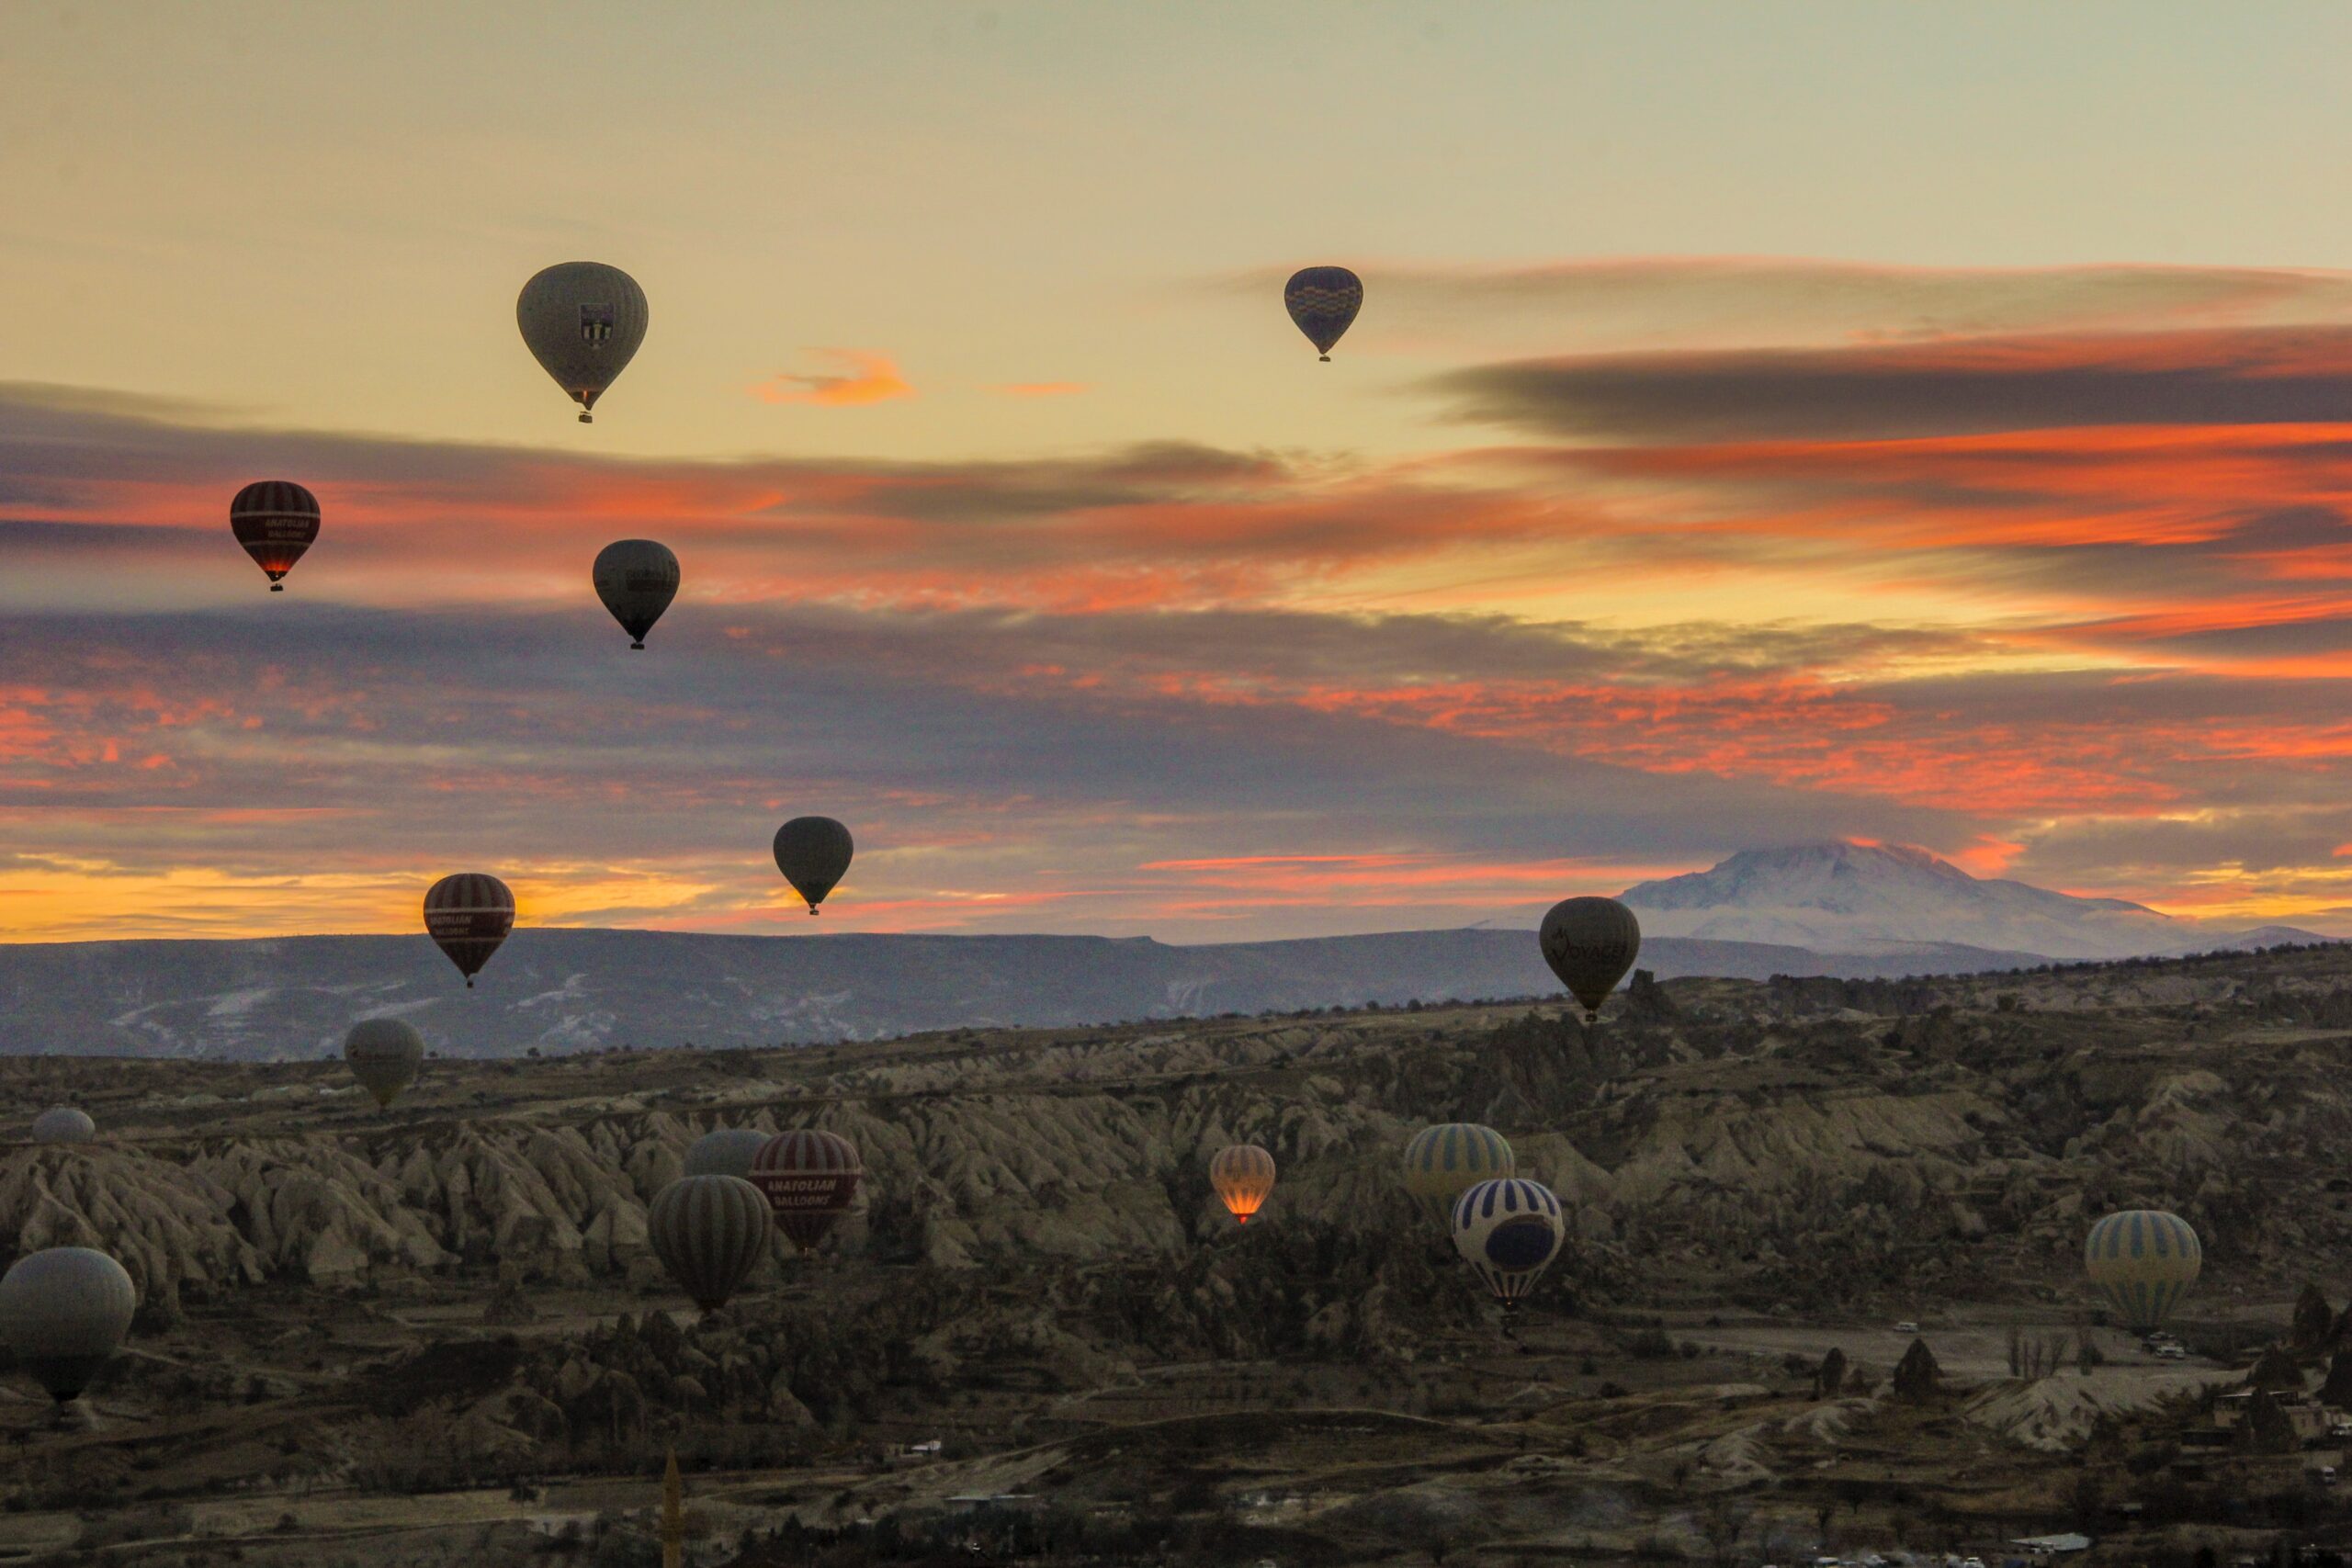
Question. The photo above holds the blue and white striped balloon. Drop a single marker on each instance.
(2142, 1262)
(1508, 1230)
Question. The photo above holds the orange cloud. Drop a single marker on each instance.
(865, 378)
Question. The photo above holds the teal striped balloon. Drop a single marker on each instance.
(1443, 1162)
(2141, 1263)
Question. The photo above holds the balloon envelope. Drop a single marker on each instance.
(1443, 1162)
(64, 1312)
(384, 1055)
(636, 578)
(275, 520)
(1590, 944)
(2142, 1262)
(63, 1124)
(1508, 1230)
(712, 1231)
(1243, 1176)
(810, 1177)
(725, 1151)
(582, 321)
(813, 852)
(468, 916)
(1323, 301)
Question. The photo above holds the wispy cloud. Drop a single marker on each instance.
(863, 377)
(1042, 388)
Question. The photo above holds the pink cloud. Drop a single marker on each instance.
(866, 377)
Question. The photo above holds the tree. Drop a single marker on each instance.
(2314, 1321)
(1917, 1375)
(2277, 1371)
(2268, 1428)
(1831, 1376)
(1721, 1525)
(2337, 1389)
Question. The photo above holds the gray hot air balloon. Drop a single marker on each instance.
(813, 853)
(584, 322)
(385, 1055)
(712, 1231)
(64, 1312)
(725, 1151)
(63, 1124)
(1590, 943)
(636, 578)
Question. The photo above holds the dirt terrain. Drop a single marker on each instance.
(437, 1334)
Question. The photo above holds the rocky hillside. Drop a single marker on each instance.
(1808, 1141)
(354, 1322)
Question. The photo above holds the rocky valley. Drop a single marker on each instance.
(438, 1333)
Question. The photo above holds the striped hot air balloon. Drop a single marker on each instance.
(468, 916)
(2142, 1262)
(1323, 301)
(1508, 1230)
(1243, 1176)
(810, 1178)
(712, 1231)
(275, 521)
(1443, 1162)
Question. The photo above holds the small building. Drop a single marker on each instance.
(2052, 1545)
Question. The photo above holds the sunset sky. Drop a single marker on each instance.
(1766, 424)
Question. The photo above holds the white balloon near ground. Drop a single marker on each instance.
(725, 1151)
(63, 1311)
(63, 1124)
(385, 1055)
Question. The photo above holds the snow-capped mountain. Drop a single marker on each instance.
(1886, 899)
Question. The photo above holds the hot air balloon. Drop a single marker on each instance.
(809, 1177)
(813, 853)
(468, 916)
(1590, 943)
(2142, 1262)
(384, 1054)
(1323, 301)
(1441, 1163)
(725, 1151)
(63, 1124)
(64, 1311)
(275, 520)
(712, 1231)
(636, 578)
(1508, 1230)
(1243, 1175)
(584, 322)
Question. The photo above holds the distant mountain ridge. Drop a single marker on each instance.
(1846, 910)
(570, 990)
(1889, 900)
